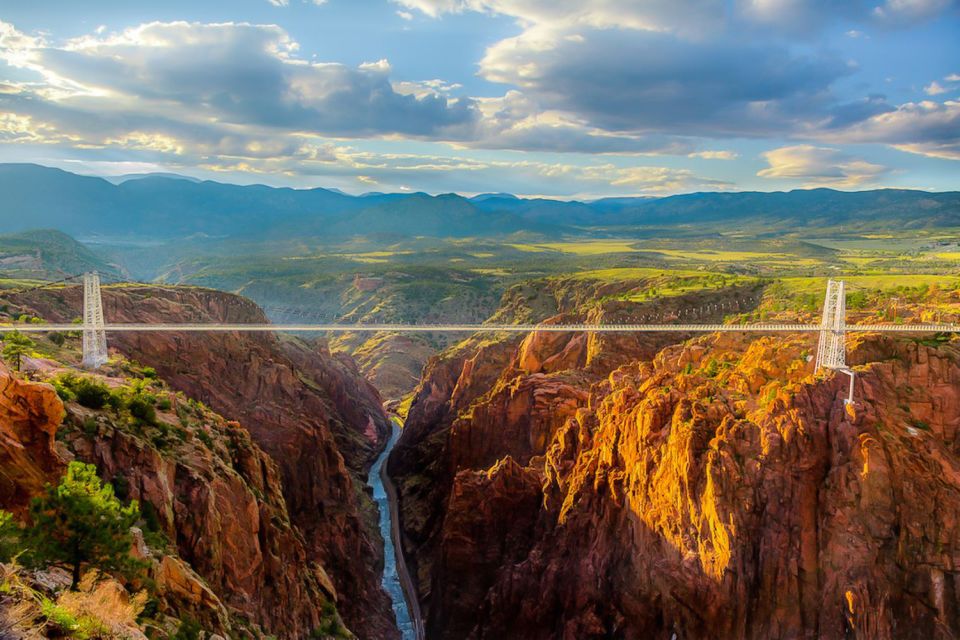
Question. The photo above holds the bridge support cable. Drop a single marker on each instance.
(832, 348)
(94, 332)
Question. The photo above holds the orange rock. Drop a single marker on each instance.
(719, 490)
(30, 413)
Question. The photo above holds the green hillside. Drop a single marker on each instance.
(48, 253)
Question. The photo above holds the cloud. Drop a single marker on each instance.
(821, 166)
(651, 82)
(279, 3)
(901, 11)
(234, 75)
(688, 16)
(653, 180)
(927, 128)
(934, 88)
(695, 16)
(516, 121)
(236, 89)
(715, 155)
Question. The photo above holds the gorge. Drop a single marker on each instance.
(548, 485)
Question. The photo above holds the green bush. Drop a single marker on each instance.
(205, 438)
(116, 401)
(88, 392)
(57, 338)
(189, 629)
(63, 391)
(142, 409)
(164, 404)
(90, 426)
(712, 368)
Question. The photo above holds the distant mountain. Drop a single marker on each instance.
(48, 253)
(890, 208)
(140, 176)
(172, 207)
(480, 197)
(155, 206)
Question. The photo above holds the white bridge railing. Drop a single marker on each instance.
(831, 350)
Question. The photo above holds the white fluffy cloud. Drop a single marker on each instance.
(229, 88)
(673, 15)
(927, 128)
(820, 166)
(693, 16)
(898, 11)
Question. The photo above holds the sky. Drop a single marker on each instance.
(555, 98)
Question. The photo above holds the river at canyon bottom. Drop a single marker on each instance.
(391, 577)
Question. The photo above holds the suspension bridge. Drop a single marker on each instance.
(831, 350)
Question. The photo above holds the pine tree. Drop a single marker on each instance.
(81, 522)
(15, 346)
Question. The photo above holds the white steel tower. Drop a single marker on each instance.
(94, 335)
(832, 350)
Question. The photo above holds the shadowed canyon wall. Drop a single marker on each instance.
(311, 411)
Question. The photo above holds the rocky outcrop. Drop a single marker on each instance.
(217, 497)
(391, 362)
(722, 491)
(30, 413)
(222, 549)
(494, 396)
(309, 410)
(711, 488)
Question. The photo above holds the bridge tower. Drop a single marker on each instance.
(94, 335)
(832, 349)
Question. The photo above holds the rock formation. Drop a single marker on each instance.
(710, 488)
(29, 416)
(309, 410)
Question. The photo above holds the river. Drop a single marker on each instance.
(396, 580)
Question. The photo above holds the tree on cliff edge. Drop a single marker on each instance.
(81, 522)
(15, 346)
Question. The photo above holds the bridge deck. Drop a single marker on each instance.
(471, 328)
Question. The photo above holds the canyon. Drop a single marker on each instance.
(549, 485)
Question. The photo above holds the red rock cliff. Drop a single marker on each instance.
(714, 489)
(29, 416)
(490, 398)
(310, 411)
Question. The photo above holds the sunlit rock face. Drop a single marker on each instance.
(29, 416)
(714, 488)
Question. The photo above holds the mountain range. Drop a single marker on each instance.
(169, 206)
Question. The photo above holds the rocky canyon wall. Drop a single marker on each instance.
(311, 411)
(556, 487)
